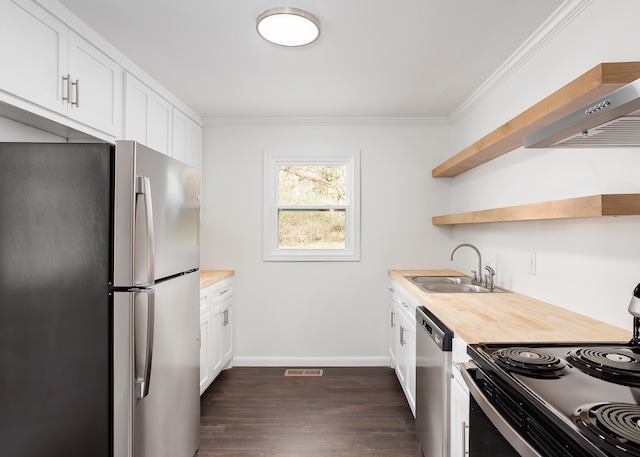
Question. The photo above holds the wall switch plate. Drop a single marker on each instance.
(531, 258)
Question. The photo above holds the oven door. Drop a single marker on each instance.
(490, 435)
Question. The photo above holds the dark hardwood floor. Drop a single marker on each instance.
(347, 412)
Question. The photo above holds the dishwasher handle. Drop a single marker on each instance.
(435, 328)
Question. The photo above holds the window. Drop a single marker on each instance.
(311, 207)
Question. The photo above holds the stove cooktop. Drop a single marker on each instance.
(591, 393)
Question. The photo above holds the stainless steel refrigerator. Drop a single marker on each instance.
(99, 302)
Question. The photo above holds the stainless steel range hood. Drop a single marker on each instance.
(611, 121)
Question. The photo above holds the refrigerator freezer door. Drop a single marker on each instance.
(168, 244)
(54, 300)
(165, 422)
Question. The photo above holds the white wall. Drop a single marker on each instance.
(587, 265)
(322, 313)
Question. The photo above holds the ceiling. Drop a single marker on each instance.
(374, 58)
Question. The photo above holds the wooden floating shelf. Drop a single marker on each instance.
(595, 83)
(592, 206)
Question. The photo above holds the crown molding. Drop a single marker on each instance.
(560, 18)
(316, 121)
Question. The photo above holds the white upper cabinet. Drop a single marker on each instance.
(151, 120)
(56, 74)
(47, 65)
(34, 51)
(95, 87)
(148, 116)
(187, 139)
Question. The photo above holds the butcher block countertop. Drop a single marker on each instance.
(208, 277)
(507, 317)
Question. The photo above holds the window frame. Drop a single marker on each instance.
(271, 163)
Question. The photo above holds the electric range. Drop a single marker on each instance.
(565, 400)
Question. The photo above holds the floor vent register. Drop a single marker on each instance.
(302, 372)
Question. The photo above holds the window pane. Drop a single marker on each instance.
(312, 184)
(311, 229)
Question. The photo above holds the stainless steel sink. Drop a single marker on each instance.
(420, 280)
(450, 284)
(458, 288)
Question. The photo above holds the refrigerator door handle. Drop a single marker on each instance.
(143, 187)
(143, 354)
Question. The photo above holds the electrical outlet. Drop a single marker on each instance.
(531, 257)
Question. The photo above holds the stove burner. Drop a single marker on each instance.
(615, 426)
(528, 361)
(619, 365)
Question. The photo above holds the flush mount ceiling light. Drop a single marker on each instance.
(288, 26)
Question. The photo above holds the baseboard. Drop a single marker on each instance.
(311, 361)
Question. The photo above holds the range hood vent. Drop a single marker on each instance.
(611, 121)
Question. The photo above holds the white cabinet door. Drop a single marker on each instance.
(187, 139)
(221, 336)
(50, 67)
(180, 126)
(410, 375)
(217, 321)
(402, 340)
(206, 370)
(34, 54)
(136, 110)
(148, 116)
(459, 419)
(96, 87)
(406, 369)
(393, 335)
(160, 125)
(226, 343)
(216, 331)
(459, 401)
(401, 356)
(194, 145)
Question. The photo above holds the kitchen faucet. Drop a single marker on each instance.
(477, 275)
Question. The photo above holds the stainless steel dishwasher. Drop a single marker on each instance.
(433, 383)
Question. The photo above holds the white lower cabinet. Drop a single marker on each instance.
(393, 335)
(221, 336)
(402, 341)
(402, 355)
(206, 367)
(226, 340)
(408, 357)
(216, 334)
(459, 402)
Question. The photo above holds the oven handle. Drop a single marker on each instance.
(506, 430)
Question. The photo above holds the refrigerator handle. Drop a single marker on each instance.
(143, 186)
(143, 375)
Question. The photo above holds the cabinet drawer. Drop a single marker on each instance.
(204, 300)
(459, 350)
(405, 306)
(220, 291)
